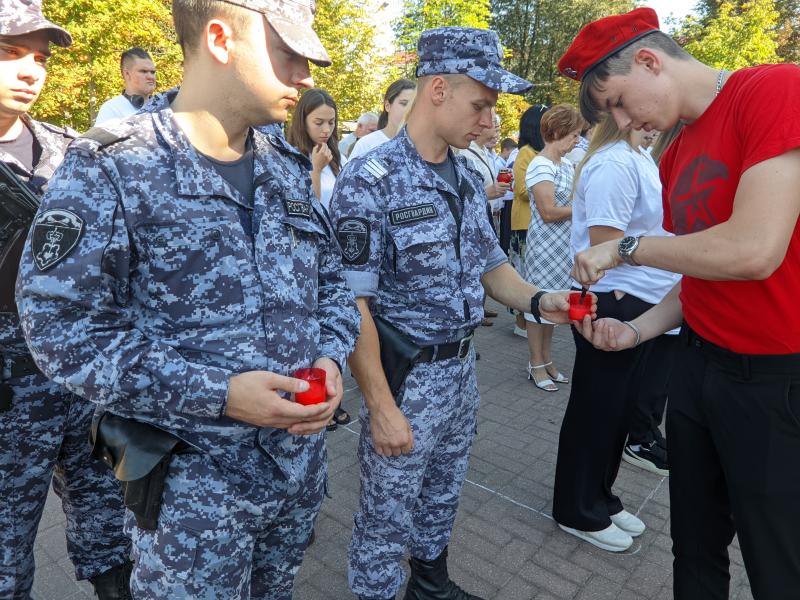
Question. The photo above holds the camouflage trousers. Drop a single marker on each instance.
(44, 436)
(410, 501)
(222, 536)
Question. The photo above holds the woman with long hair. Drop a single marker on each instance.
(313, 132)
(617, 193)
(547, 258)
(396, 101)
(530, 144)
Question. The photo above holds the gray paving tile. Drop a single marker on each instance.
(505, 546)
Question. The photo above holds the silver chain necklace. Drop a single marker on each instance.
(720, 78)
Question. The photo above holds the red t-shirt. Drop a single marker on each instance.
(755, 117)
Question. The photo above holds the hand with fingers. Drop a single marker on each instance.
(607, 334)
(391, 432)
(254, 397)
(591, 265)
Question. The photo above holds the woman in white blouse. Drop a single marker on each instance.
(313, 132)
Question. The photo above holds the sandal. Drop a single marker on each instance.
(486, 322)
(489, 314)
(341, 417)
(545, 384)
(332, 425)
(558, 377)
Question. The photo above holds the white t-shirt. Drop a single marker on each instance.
(326, 182)
(367, 143)
(619, 187)
(118, 107)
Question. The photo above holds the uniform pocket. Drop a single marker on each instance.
(190, 273)
(424, 255)
(307, 237)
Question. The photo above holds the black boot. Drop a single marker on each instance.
(430, 581)
(114, 584)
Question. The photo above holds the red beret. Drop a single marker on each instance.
(600, 39)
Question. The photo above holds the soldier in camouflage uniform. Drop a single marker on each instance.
(417, 245)
(44, 429)
(196, 273)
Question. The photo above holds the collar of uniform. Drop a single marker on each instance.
(282, 145)
(420, 171)
(194, 175)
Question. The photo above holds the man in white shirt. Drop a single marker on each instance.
(139, 75)
(366, 124)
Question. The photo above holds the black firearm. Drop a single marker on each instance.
(18, 206)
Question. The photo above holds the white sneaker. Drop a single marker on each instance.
(630, 524)
(521, 332)
(612, 538)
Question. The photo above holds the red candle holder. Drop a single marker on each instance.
(316, 392)
(579, 307)
(505, 176)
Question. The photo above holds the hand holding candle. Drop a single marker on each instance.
(316, 391)
(580, 305)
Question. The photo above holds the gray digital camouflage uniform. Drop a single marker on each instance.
(163, 298)
(44, 436)
(404, 249)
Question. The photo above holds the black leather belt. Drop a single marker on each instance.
(458, 349)
(745, 364)
(21, 366)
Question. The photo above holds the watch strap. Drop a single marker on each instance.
(535, 305)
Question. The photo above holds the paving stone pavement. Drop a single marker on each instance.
(505, 545)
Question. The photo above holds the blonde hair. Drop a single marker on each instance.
(606, 133)
(664, 140)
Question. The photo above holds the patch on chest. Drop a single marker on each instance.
(353, 236)
(297, 208)
(55, 234)
(411, 214)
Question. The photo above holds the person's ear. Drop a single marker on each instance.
(438, 90)
(218, 40)
(648, 59)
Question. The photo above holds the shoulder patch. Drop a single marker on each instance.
(353, 236)
(103, 136)
(55, 234)
(373, 170)
(411, 214)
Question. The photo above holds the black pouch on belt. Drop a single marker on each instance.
(398, 355)
(139, 454)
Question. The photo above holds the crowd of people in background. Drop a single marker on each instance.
(380, 251)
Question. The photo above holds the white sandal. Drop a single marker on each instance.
(546, 385)
(559, 378)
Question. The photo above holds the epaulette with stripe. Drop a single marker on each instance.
(103, 136)
(373, 170)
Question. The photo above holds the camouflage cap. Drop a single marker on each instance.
(18, 17)
(292, 20)
(466, 51)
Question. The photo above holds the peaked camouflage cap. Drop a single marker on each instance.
(467, 51)
(18, 17)
(292, 20)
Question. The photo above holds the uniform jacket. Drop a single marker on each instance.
(403, 246)
(164, 296)
(53, 142)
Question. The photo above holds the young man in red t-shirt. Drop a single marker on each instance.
(731, 184)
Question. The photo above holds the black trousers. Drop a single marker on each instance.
(733, 424)
(595, 425)
(649, 389)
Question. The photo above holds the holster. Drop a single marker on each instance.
(139, 454)
(398, 355)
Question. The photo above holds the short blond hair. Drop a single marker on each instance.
(560, 121)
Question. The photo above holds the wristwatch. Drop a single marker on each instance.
(535, 306)
(627, 246)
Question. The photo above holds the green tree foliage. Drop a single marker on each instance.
(739, 34)
(83, 76)
(359, 73)
(788, 25)
(419, 15)
(538, 32)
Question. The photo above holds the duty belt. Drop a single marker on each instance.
(446, 351)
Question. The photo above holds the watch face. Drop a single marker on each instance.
(627, 245)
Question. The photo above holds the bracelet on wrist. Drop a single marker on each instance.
(636, 331)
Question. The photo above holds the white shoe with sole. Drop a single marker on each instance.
(630, 524)
(521, 332)
(612, 538)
